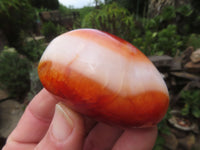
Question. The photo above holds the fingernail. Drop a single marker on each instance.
(62, 124)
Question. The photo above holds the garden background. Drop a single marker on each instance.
(167, 31)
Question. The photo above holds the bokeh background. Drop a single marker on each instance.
(167, 31)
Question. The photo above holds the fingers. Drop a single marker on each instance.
(102, 137)
(106, 137)
(137, 139)
(35, 120)
(19, 146)
(89, 124)
(65, 132)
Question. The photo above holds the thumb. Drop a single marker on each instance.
(66, 131)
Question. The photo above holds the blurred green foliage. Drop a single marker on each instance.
(111, 18)
(64, 10)
(185, 10)
(33, 49)
(163, 128)
(16, 16)
(154, 36)
(49, 4)
(84, 11)
(165, 41)
(14, 73)
(191, 100)
(163, 34)
(194, 41)
(138, 7)
(51, 30)
(160, 141)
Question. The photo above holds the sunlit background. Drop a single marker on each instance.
(77, 3)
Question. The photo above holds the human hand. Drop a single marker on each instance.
(49, 125)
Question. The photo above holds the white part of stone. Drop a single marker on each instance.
(112, 70)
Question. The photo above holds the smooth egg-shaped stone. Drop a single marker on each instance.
(104, 77)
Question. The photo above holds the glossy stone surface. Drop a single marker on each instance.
(104, 77)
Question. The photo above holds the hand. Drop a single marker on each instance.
(49, 125)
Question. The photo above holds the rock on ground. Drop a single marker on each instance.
(10, 113)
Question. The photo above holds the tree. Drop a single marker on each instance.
(139, 7)
(49, 4)
(15, 16)
(97, 3)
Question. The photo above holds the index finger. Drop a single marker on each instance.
(36, 119)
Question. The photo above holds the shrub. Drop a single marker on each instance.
(191, 101)
(147, 42)
(15, 16)
(194, 41)
(168, 40)
(167, 14)
(165, 41)
(50, 4)
(33, 49)
(166, 17)
(64, 10)
(50, 30)
(163, 128)
(185, 10)
(84, 11)
(113, 19)
(14, 73)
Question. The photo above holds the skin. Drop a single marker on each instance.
(48, 124)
